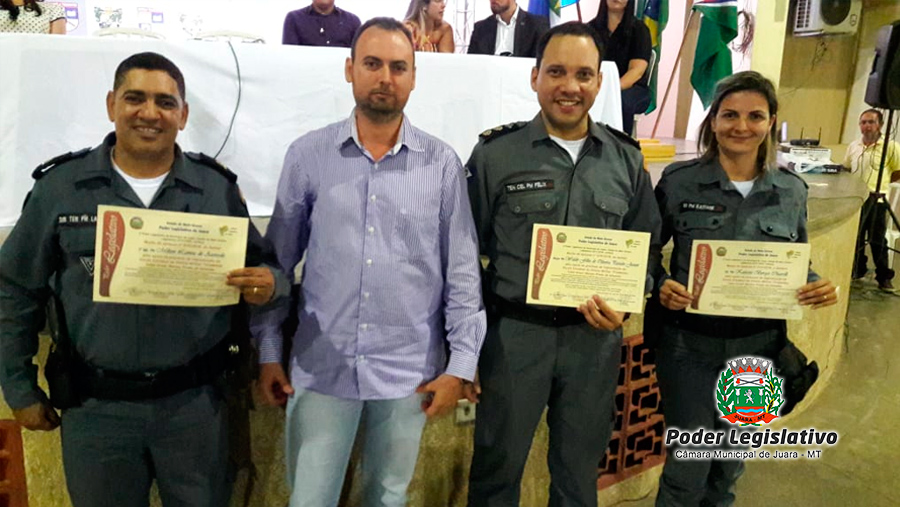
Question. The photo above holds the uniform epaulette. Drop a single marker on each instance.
(45, 168)
(203, 158)
(502, 130)
(794, 174)
(676, 166)
(622, 136)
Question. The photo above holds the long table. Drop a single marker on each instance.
(53, 89)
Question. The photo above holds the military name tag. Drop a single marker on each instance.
(699, 206)
(76, 219)
(528, 186)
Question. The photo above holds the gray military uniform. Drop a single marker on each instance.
(697, 201)
(113, 449)
(536, 357)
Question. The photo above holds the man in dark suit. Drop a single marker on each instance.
(511, 31)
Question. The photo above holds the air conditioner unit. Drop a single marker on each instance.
(826, 17)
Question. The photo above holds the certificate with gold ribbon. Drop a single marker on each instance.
(747, 278)
(570, 264)
(166, 258)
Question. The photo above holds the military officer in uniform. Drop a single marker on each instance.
(147, 406)
(559, 168)
(732, 192)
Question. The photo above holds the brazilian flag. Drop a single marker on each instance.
(655, 14)
(551, 9)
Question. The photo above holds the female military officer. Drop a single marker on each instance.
(732, 192)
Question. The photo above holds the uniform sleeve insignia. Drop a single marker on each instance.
(501, 130)
(45, 168)
(204, 159)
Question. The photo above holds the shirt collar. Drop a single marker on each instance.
(512, 20)
(311, 11)
(876, 143)
(537, 131)
(103, 166)
(767, 179)
(408, 137)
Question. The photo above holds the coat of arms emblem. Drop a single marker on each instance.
(748, 392)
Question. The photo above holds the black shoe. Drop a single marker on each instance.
(886, 285)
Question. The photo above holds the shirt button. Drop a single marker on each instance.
(793, 235)
(769, 229)
(547, 205)
(371, 230)
(368, 262)
(376, 165)
(517, 209)
(373, 197)
(366, 295)
(361, 358)
(603, 206)
(363, 326)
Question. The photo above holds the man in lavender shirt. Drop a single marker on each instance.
(392, 321)
(320, 24)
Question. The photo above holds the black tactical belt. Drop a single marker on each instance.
(557, 317)
(134, 386)
(722, 327)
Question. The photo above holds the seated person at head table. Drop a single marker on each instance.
(319, 24)
(32, 16)
(425, 19)
(510, 31)
(628, 44)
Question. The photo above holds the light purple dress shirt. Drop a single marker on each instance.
(391, 281)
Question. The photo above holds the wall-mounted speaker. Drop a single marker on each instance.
(883, 89)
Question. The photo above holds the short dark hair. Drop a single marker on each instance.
(386, 24)
(573, 28)
(876, 112)
(149, 61)
(746, 81)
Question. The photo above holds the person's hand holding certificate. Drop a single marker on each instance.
(166, 258)
(747, 278)
(569, 265)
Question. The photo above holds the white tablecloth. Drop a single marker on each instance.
(53, 89)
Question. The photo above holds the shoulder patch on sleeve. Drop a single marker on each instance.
(204, 159)
(496, 132)
(47, 166)
(621, 136)
(794, 174)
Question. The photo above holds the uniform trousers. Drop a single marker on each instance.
(319, 434)
(688, 366)
(872, 228)
(112, 451)
(524, 367)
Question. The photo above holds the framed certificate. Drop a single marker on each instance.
(747, 278)
(167, 258)
(569, 265)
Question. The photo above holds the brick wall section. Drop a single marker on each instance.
(13, 492)
(637, 440)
